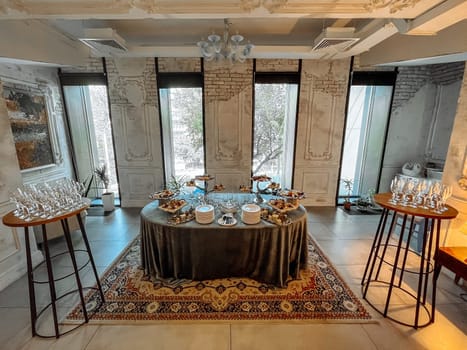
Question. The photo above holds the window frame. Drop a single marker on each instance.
(279, 78)
(176, 80)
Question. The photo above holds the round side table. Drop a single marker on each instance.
(11, 220)
(397, 262)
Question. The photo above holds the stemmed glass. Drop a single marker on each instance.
(446, 192)
(394, 190)
(45, 200)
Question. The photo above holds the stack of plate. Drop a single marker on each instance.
(251, 214)
(204, 214)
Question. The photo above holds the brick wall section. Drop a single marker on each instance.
(445, 74)
(221, 83)
(179, 64)
(277, 65)
(327, 84)
(410, 79)
(93, 65)
(148, 77)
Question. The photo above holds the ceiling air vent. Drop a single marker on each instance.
(104, 40)
(335, 38)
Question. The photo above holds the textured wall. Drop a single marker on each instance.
(45, 80)
(323, 93)
(136, 128)
(92, 65)
(455, 167)
(228, 121)
(177, 64)
(422, 114)
(277, 65)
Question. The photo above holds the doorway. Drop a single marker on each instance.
(87, 107)
(368, 112)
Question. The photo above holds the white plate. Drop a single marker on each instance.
(251, 208)
(221, 222)
(204, 208)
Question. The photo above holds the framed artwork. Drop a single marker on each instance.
(28, 111)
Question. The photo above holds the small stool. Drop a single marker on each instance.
(454, 259)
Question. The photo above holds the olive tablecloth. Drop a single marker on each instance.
(265, 252)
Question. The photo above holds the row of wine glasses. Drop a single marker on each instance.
(420, 193)
(47, 200)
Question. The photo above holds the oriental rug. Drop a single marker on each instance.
(320, 294)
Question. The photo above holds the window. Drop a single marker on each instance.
(86, 103)
(367, 120)
(276, 98)
(181, 104)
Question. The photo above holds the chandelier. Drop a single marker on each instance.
(394, 5)
(225, 48)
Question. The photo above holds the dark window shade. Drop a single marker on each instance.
(387, 78)
(175, 80)
(277, 78)
(79, 79)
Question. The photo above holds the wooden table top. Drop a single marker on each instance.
(383, 200)
(12, 221)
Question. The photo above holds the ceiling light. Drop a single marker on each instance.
(228, 47)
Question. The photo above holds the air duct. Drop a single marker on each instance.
(335, 38)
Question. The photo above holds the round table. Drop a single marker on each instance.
(12, 221)
(265, 252)
(386, 239)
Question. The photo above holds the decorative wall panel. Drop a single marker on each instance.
(320, 184)
(136, 127)
(320, 124)
(12, 253)
(228, 119)
(138, 183)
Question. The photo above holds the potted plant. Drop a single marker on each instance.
(348, 185)
(108, 198)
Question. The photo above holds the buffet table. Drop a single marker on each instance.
(265, 252)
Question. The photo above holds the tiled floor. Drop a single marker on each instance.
(345, 239)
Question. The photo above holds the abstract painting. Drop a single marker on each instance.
(27, 111)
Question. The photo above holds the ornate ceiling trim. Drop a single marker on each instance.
(393, 5)
(198, 8)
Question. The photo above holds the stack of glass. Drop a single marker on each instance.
(420, 193)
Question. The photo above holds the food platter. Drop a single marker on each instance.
(282, 205)
(173, 205)
(274, 217)
(164, 194)
(204, 177)
(245, 189)
(292, 194)
(261, 178)
(182, 217)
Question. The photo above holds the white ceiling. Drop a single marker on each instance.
(277, 28)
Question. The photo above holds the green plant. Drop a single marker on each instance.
(102, 176)
(175, 184)
(348, 185)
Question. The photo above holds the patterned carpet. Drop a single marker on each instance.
(320, 294)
